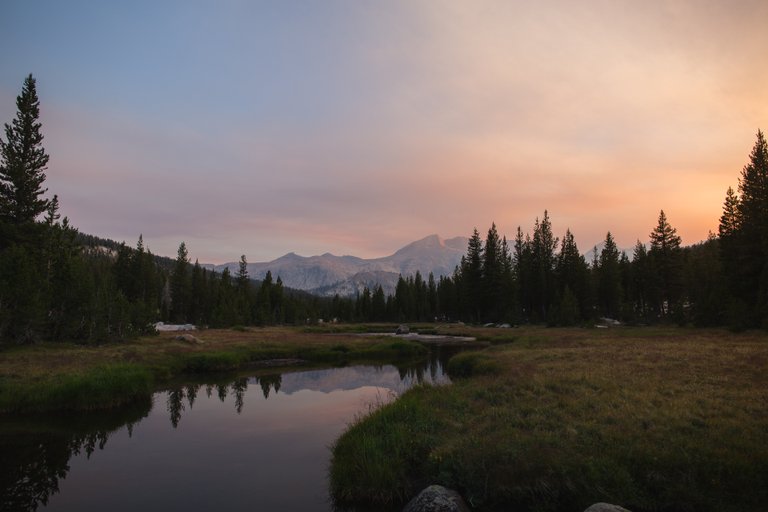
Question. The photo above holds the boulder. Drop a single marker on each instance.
(605, 507)
(402, 329)
(437, 498)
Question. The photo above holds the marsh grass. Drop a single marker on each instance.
(655, 420)
(75, 377)
(400, 433)
(103, 386)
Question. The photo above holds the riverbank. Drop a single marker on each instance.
(558, 419)
(47, 376)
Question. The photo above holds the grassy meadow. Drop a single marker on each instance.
(653, 419)
(543, 419)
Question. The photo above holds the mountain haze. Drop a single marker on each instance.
(328, 274)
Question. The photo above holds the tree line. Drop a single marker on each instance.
(57, 284)
(542, 279)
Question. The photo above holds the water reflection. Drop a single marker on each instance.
(37, 449)
(431, 371)
(288, 423)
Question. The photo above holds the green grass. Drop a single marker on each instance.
(653, 420)
(99, 387)
(384, 456)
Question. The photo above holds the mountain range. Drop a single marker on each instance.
(346, 275)
(328, 274)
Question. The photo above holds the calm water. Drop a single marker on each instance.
(256, 443)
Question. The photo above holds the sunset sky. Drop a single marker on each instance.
(355, 127)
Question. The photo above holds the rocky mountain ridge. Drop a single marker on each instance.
(328, 274)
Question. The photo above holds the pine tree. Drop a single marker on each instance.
(508, 305)
(447, 297)
(640, 289)
(704, 283)
(492, 271)
(69, 284)
(753, 189)
(744, 240)
(667, 264)
(729, 221)
(572, 275)
(242, 281)
(264, 301)
(378, 304)
(277, 296)
(523, 264)
(432, 301)
(543, 247)
(224, 312)
(198, 292)
(472, 276)
(23, 161)
(609, 290)
(363, 306)
(181, 285)
(403, 300)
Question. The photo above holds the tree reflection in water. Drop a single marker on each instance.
(37, 449)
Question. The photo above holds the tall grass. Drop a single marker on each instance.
(383, 456)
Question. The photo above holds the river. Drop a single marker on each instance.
(247, 443)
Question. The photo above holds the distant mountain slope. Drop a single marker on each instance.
(329, 274)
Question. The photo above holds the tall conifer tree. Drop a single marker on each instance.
(23, 161)
(472, 275)
(609, 291)
(492, 272)
(744, 239)
(181, 285)
(666, 258)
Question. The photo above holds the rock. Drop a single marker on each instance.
(161, 327)
(605, 507)
(437, 498)
(402, 329)
(192, 340)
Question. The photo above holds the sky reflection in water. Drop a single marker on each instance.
(255, 443)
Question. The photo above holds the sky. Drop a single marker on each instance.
(358, 126)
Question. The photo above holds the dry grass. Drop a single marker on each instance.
(653, 419)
